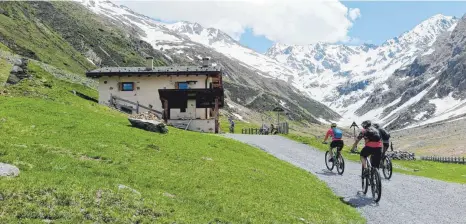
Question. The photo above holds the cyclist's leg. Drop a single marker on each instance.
(340, 146)
(365, 152)
(332, 145)
(376, 157)
(385, 148)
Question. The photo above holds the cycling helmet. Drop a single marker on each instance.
(366, 124)
(333, 125)
(376, 126)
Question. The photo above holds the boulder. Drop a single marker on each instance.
(17, 70)
(18, 62)
(2, 11)
(148, 125)
(7, 170)
(400, 155)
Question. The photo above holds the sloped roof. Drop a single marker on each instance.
(163, 70)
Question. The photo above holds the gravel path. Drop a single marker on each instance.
(405, 199)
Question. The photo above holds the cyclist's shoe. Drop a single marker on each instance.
(331, 160)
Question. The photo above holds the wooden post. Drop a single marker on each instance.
(216, 115)
(165, 110)
(137, 107)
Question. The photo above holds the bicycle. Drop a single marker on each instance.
(338, 160)
(373, 179)
(387, 168)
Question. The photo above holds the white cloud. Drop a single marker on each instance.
(354, 13)
(289, 22)
(352, 41)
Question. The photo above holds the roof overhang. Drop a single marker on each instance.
(158, 74)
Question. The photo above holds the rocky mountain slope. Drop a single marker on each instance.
(90, 34)
(434, 86)
(350, 79)
(412, 79)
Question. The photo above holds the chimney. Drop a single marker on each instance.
(205, 62)
(149, 63)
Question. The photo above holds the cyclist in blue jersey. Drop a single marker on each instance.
(337, 141)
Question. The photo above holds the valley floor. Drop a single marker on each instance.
(405, 198)
(440, 139)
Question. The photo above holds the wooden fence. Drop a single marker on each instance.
(115, 99)
(457, 160)
(250, 131)
(282, 128)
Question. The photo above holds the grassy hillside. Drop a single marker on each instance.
(82, 162)
(441, 171)
(94, 36)
(5, 68)
(21, 32)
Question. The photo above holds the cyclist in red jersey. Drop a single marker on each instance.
(373, 145)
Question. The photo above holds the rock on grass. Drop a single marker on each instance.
(7, 170)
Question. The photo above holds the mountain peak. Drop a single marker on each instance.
(426, 32)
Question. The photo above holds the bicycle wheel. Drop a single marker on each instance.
(387, 168)
(376, 187)
(365, 182)
(329, 164)
(340, 164)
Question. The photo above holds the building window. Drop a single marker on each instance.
(183, 110)
(127, 86)
(182, 85)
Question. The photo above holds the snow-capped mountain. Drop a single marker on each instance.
(252, 79)
(226, 45)
(343, 77)
(348, 79)
(432, 88)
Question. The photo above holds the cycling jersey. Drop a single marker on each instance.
(366, 135)
(330, 133)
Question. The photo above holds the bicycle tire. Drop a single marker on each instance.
(377, 185)
(340, 164)
(387, 168)
(327, 162)
(365, 182)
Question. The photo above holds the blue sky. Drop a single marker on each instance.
(379, 21)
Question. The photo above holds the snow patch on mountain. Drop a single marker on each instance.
(343, 77)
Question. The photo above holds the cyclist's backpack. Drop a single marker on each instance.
(384, 134)
(372, 134)
(337, 133)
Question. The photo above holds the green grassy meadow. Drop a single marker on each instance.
(82, 162)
